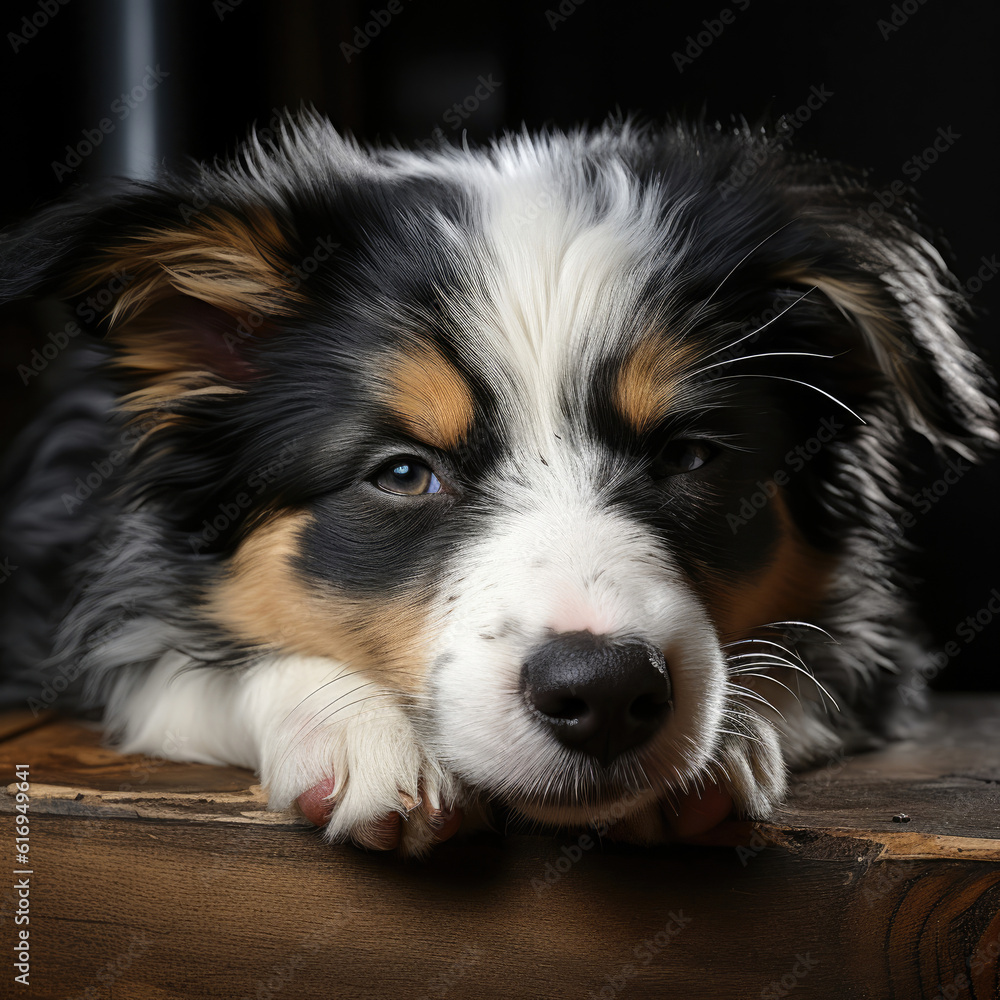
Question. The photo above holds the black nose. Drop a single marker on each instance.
(599, 696)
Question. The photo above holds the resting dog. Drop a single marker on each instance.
(559, 474)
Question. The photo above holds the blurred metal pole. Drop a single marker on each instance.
(129, 84)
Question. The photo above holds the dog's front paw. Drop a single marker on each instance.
(364, 776)
(750, 766)
(413, 826)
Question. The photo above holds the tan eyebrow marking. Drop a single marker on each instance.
(428, 395)
(649, 378)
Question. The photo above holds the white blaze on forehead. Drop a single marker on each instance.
(559, 270)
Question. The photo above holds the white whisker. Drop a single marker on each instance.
(768, 677)
(762, 657)
(762, 642)
(305, 698)
(746, 692)
(798, 666)
(807, 385)
(743, 736)
(689, 325)
(751, 357)
(796, 624)
(763, 326)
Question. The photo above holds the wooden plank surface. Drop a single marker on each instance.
(946, 785)
(947, 782)
(151, 879)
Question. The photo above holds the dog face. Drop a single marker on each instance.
(560, 450)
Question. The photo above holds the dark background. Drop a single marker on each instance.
(897, 73)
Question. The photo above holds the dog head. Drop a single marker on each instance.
(568, 441)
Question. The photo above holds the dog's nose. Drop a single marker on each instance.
(598, 695)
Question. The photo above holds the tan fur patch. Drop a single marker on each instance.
(264, 601)
(790, 588)
(166, 361)
(428, 396)
(649, 380)
(882, 334)
(237, 266)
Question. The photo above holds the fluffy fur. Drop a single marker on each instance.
(392, 470)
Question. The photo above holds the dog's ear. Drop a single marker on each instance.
(182, 290)
(895, 293)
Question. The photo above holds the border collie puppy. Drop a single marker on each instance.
(561, 474)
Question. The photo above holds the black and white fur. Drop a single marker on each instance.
(523, 280)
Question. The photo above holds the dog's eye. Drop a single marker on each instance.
(407, 477)
(681, 456)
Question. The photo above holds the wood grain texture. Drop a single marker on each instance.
(947, 781)
(156, 880)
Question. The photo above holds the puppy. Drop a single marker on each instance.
(561, 474)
